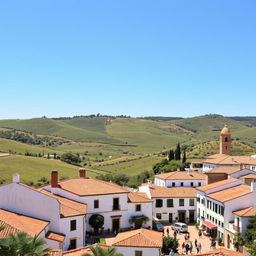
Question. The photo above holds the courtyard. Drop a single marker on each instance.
(193, 231)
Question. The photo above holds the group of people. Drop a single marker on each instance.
(187, 246)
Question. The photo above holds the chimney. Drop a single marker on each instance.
(82, 173)
(253, 186)
(241, 166)
(16, 178)
(54, 179)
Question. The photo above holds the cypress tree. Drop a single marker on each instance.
(177, 152)
(184, 158)
(171, 155)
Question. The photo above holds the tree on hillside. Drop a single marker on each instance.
(21, 244)
(158, 166)
(171, 155)
(70, 158)
(177, 152)
(97, 222)
(98, 251)
(184, 157)
(168, 166)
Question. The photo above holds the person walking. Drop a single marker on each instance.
(167, 231)
(183, 247)
(187, 248)
(190, 248)
(195, 243)
(175, 235)
(199, 233)
(199, 246)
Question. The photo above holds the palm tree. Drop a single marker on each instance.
(98, 251)
(21, 244)
(138, 220)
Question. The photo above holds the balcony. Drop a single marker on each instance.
(236, 228)
(116, 207)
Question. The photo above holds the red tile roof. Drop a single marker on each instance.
(217, 184)
(138, 197)
(222, 252)
(181, 175)
(55, 236)
(246, 212)
(139, 238)
(15, 222)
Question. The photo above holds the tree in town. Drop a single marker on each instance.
(238, 241)
(97, 222)
(171, 155)
(70, 158)
(138, 220)
(177, 152)
(98, 251)
(21, 244)
(169, 243)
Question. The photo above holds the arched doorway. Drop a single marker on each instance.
(228, 241)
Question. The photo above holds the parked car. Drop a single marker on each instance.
(180, 227)
(158, 226)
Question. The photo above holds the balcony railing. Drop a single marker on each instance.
(236, 228)
(116, 207)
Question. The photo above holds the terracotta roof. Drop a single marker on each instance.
(249, 176)
(55, 236)
(222, 252)
(68, 207)
(216, 184)
(225, 130)
(15, 222)
(250, 161)
(247, 212)
(138, 197)
(224, 169)
(227, 160)
(90, 187)
(139, 238)
(55, 253)
(230, 193)
(180, 175)
(85, 249)
(179, 192)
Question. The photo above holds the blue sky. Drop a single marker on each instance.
(139, 58)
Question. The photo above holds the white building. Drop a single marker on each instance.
(115, 203)
(180, 179)
(66, 219)
(217, 201)
(172, 204)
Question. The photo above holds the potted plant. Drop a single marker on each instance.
(219, 240)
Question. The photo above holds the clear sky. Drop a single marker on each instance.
(133, 57)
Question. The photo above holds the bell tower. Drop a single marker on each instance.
(225, 141)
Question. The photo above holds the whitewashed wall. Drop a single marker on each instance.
(130, 251)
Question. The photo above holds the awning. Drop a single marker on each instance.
(209, 225)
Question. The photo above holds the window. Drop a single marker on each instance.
(207, 216)
(169, 202)
(181, 202)
(226, 139)
(181, 184)
(96, 204)
(173, 184)
(191, 202)
(72, 225)
(198, 199)
(138, 253)
(199, 184)
(207, 203)
(72, 244)
(138, 207)
(222, 210)
(159, 203)
(159, 216)
(116, 204)
(191, 184)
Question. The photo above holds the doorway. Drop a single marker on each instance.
(170, 217)
(191, 216)
(115, 225)
(182, 216)
(228, 241)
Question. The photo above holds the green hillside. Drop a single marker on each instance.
(22, 148)
(34, 168)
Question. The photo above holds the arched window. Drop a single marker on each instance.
(226, 139)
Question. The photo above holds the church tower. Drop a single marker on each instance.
(225, 141)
